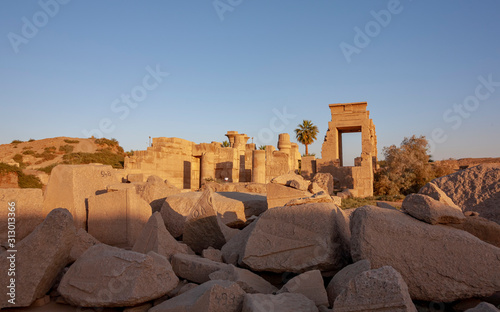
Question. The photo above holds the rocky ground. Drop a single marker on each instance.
(92, 243)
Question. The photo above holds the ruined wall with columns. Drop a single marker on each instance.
(187, 164)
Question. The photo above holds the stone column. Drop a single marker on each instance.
(207, 166)
(259, 166)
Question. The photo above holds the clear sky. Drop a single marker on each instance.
(196, 69)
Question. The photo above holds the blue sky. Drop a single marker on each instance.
(258, 67)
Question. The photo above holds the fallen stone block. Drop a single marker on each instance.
(430, 258)
(320, 197)
(483, 307)
(324, 181)
(83, 241)
(340, 280)
(309, 284)
(155, 237)
(71, 185)
(212, 254)
(376, 290)
(155, 191)
(432, 190)
(39, 259)
(427, 209)
(212, 296)
(247, 280)
(106, 276)
(254, 204)
(315, 188)
(285, 302)
(484, 229)
(194, 268)
(293, 180)
(278, 195)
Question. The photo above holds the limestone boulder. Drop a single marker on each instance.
(254, 203)
(39, 258)
(483, 307)
(382, 289)
(155, 191)
(203, 227)
(315, 188)
(27, 211)
(212, 296)
(155, 237)
(432, 190)
(324, 181)
(117, 218)
(71, 185)
(83, 241)
(309, 284)
(293, 239)
(431, 258)
(293, 180)
(107, 276)
(278, 195)
(247, 280)
(212, 254)
(177, 208)
(475, 189)
(194, 268)
(484, 229)
(340, 280)
(320, 197)
(427, 209)
(285, 302)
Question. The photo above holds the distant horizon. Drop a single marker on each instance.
(130, 70)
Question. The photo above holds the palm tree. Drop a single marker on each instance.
(306, 133)
(225, 144)
(262, 147)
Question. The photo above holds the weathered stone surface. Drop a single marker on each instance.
(432, 190)
(427, 209)
(71, 185)
(315, 188)
(310, 284)
(195, 268)
(483, 307)
(293, 180)
(155, 191)
(337, 200)
(248, 281)
(177, 208)
(212, 254)
(325, 181)
(106, 276)
(117, 218)
(320, 197)
(382, 289)
(293, 239)
(39, 258)
(278, 195)
(140, 308)
(340, 280)
(285, 302)
(431, 258)
(203, 227)
(28, 211)
(83, 241)
(254, 203)
(475, 189)
(212, 296)
(243, 187)
(484, 229)
(155, 237)
(136, 177)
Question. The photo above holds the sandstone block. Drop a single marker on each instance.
(430, 258)
(293, 180)
(432, 190)
(309, 284)
(195, 268)
(320, 197)
(83, 241)
(483, 307)
(155, 191)
(285, 302)
(106, 276)
(247, 280)
(382, 289)
(278, 195)
(212, 254)
(427, 209)
(340, 280)
(325, 181)
(484, 229)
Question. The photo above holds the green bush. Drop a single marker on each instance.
(104, 157)
(19, 159)
(24, 180)
(71, 141)
(48, 169)
(66, 148)
(50, 149)
(110, 142)
(355, 202)
(16, 142)
(28, 152)
(31, 140)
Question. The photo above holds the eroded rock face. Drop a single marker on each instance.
(431, 258)
(309, 284)
(285, 302)
(382, 289)
(340, 280)
(427, 209)
(212, 296)
(293, 239)
(475, 189)
(155, 237)
(40, 257)
(106, 276)
(195, 268)
(248, 281)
